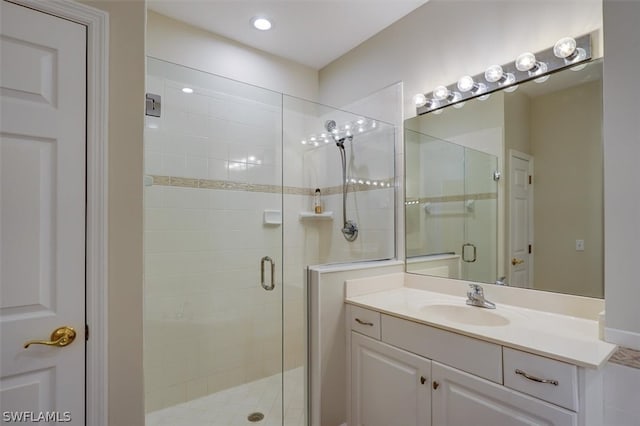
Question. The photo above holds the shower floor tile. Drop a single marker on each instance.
(231, 407)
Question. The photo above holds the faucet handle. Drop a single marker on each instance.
(476, 290)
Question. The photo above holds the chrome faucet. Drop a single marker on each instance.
(501, 281)
(475, 297)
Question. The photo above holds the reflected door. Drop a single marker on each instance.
(520, 220)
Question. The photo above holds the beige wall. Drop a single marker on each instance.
(183, 44)
(622, 174)
(126, 103)
(566, 144)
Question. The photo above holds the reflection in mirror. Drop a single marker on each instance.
(509, 190)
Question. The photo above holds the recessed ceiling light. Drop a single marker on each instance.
(261, 23)
(187, 90)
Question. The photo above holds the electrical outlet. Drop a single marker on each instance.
(579, 245)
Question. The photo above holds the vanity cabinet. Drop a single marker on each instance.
(406, 373)
(389, 386)
(461, 399)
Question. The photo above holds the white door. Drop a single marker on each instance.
(520, 262)
(390, 387)
(461, 399)
(42, 215)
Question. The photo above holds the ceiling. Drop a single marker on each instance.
(310, 32)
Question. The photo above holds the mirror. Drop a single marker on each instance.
(509, 190)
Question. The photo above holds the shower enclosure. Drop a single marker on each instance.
(230, 176)
(451, 209)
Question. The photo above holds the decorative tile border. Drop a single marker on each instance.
(182, 182)
(626, 356)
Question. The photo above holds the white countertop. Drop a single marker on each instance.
(553, 335)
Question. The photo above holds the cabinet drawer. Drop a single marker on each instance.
(365, 321)
(561, 387)
(471, 355)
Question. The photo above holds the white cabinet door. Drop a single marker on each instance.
(390, 387)
(42, 216)
(460, 399)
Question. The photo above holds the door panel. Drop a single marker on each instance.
(42, 210)
(390, 386)
(462, 400)
(520, 206)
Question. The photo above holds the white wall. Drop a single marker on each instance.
(177, 42)
(444, 39)
(622, 174)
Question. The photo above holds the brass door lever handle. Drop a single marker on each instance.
(515, 261)
(61, 337)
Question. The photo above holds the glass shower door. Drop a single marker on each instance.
(213, 327)
(480, 248)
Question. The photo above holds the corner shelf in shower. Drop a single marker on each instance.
(315, 216)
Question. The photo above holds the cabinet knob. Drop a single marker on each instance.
(422, 380)
(436, 385)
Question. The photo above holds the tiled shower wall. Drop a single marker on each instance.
(217, 163)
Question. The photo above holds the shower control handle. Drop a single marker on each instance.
(264, 285)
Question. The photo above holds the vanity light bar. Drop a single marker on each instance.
(567, 53)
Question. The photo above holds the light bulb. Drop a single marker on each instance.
(303, 142)
(187, 90)
(419, 99)
(466, 83)
(360, 121)
(312, 138)
(493, 73)
(526, 61)
(564, 47)
(440, 93)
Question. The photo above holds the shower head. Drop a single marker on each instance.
(330, 125)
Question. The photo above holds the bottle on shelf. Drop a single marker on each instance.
(317, 201)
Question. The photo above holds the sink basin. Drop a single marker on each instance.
(466, 315)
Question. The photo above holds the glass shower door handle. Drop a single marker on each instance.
(264, 285)
(464, 254)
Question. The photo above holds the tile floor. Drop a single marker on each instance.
(232, 406)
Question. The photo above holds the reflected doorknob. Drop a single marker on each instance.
(516, 261)
(60, 337)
